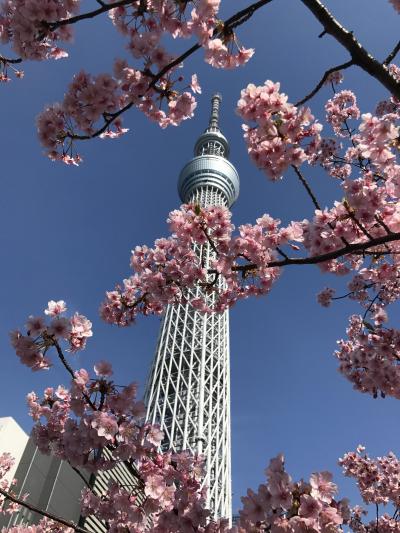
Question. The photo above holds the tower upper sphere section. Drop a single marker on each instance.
(210, 167)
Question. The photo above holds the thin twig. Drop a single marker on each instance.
(326, 75)
(71, 372)
(89, 15)
(11, 61)
(31, 507)
(307, 187)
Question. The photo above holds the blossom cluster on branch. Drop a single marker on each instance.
(92, 105)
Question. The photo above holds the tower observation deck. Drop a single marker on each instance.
(188, 391)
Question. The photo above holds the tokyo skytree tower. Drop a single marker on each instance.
(188, 392)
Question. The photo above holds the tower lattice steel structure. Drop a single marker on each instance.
(188, 392)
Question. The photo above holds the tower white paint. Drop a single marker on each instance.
(188, 391)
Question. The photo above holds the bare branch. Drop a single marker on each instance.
(31, 507)
(307, 187)
(360, 56)
(70, 371)
(392, 54)
(326, 75)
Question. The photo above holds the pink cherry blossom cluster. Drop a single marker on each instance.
(279, 138)
(7, 506)
(369, 358)
(92, 414)
(173, 500)
(32, 348)
(335, 77)
(91, 100)
(79, 423)
(180, 270)
(166, 16)
(93, 104)
(283, 505)
(27, 26)
(6, 462)
(392, 105)
(378, 479)
(339, 109)
(376, 140)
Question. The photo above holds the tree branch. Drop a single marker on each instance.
(307, 187)
(71, 372)
(392, 54)
(31, 507)
(89, 15)
(316, 259)
(327, 73)
(359, 54)
(10, 60)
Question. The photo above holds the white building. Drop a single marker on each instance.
(52, 485)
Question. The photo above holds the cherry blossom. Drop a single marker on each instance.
(33, 347)
(27, 26)
(55, 308)
(277, 140)
(284, 505)
(341, 107)
(81, 330)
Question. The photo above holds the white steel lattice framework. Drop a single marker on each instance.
(188, 391)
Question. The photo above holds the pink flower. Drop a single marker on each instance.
(105, 424)
(155, 486)
(154, 435)
(103, 368)
(324, 298)
(55, 308)
(81, 330)
(35, 325)
(309, 506)
(194, 85)
(60, 327)
(322, 487)
(339, 109)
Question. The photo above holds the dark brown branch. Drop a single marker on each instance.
(242, 16)
(329, 256)
(330, 71)
(89, 15)
(71, 372)
(31, 507)
(11, 61)
(307, 187)
(358, 53)
(392, 54)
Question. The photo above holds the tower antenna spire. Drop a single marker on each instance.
(213, 124)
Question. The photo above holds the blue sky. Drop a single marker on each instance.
(67, 234)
